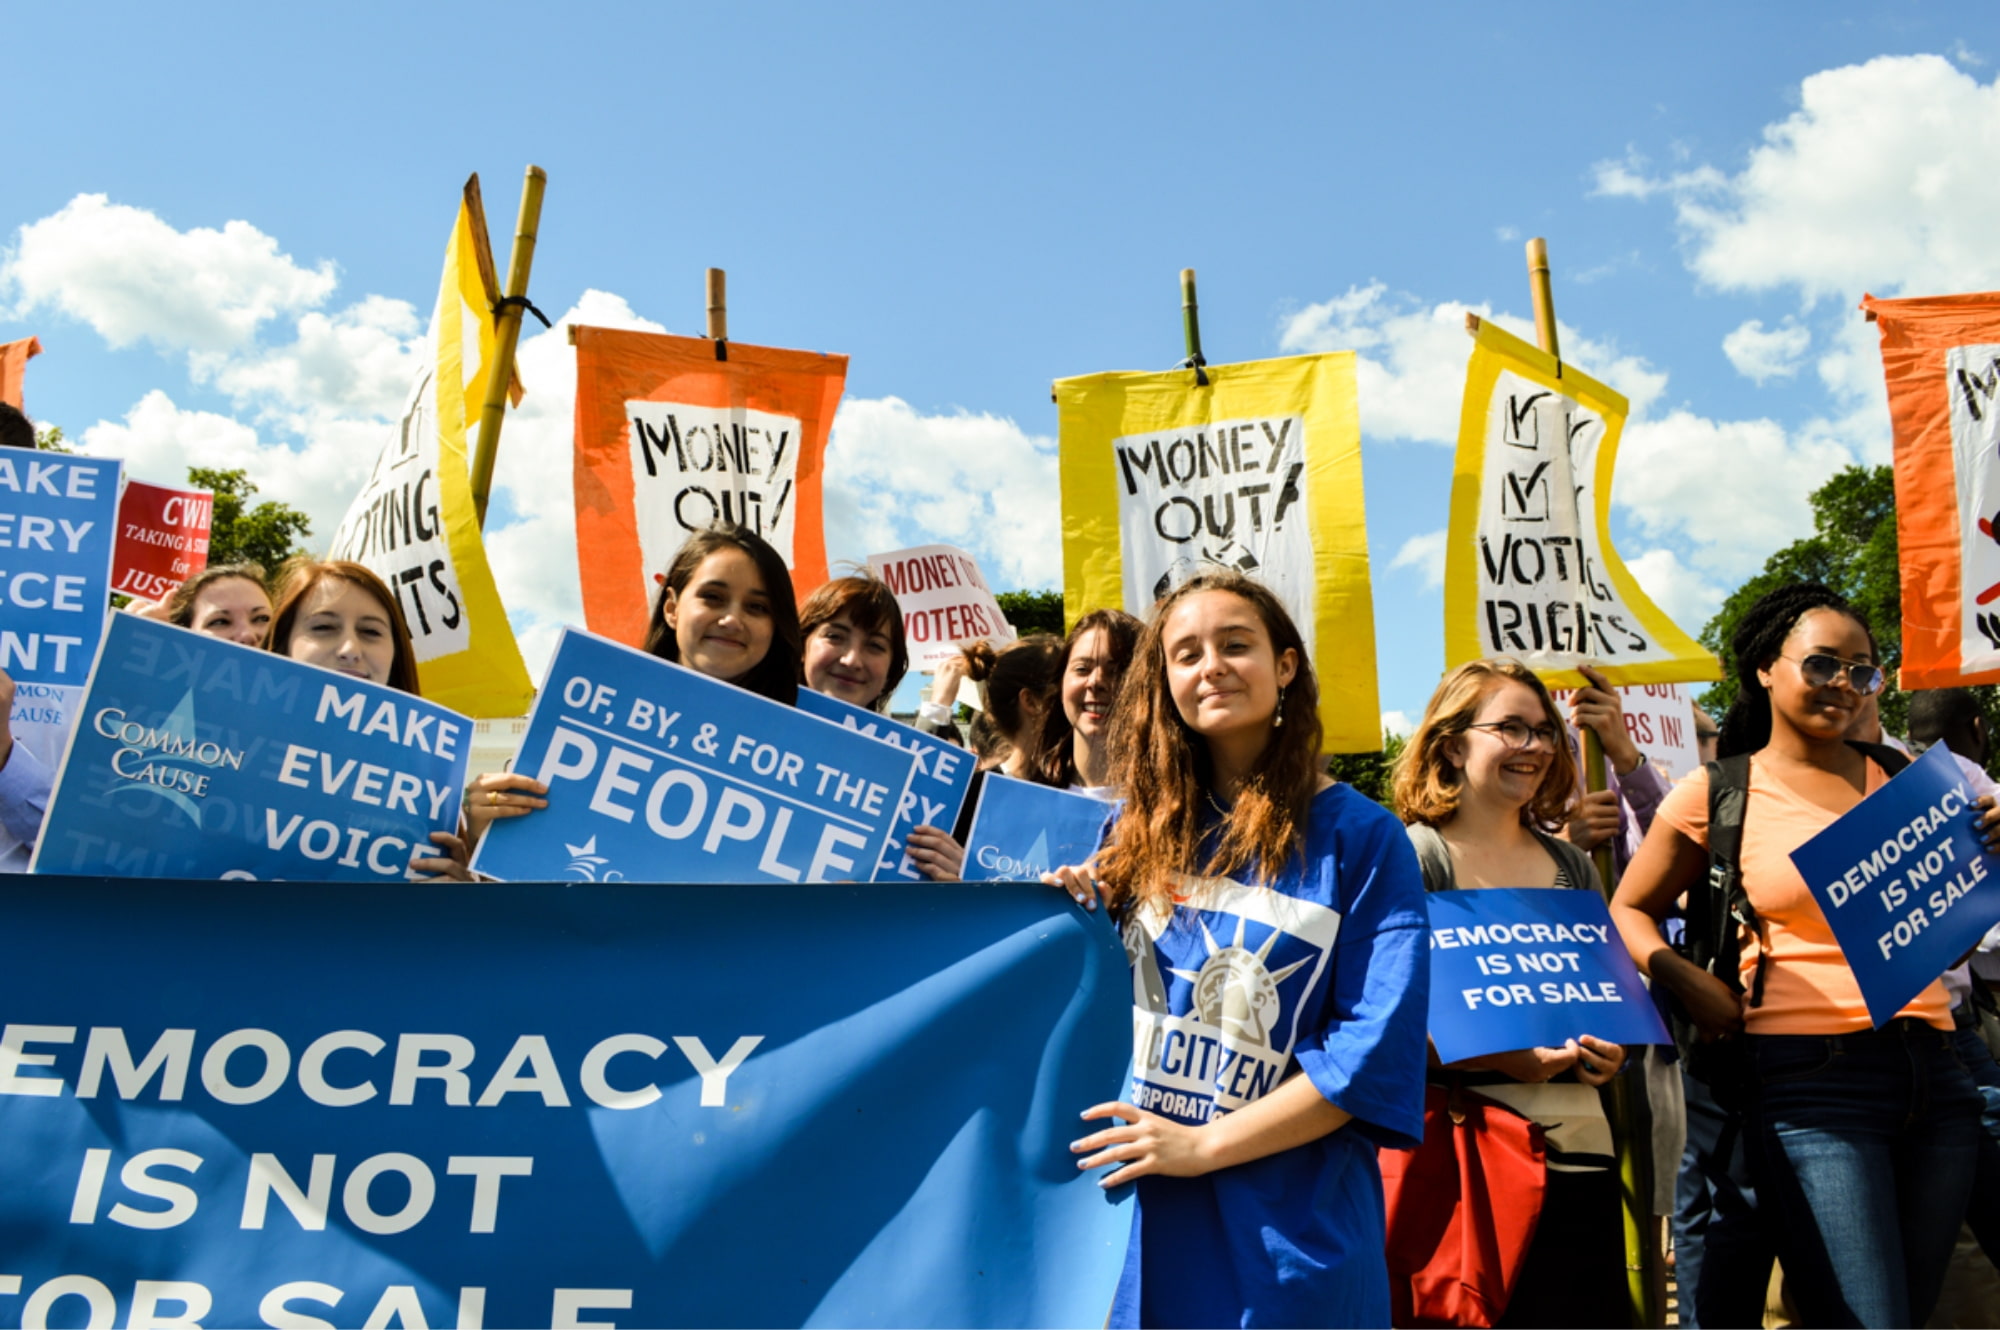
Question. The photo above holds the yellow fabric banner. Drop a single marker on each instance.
(1259, 471)
(414, 524)
(1529, 567)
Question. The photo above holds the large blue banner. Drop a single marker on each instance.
(1531, 967)
(553, 1104)
(937, 788)
(1905, 884)
(195, 757)
(659, 774)
(58, 522)
(1022, 830)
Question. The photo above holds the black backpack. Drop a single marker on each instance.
(1719, 909)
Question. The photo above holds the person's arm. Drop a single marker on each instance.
(936, 855)
(24, 784)
(1291, 1115)
(1643, 787)
(934, 712)
(1668, 863)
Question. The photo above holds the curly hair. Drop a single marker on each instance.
(1163, 770)
(1758, 640)
(1056, 762)
(1427, 787)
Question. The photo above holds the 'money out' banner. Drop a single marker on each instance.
(531, 1104)
(1904, 882)
(58, 519)
(1531, 967)
(1941, 360)
(195, 757)
(1530, 571)
(671, 437)
(938, 784)
(1258, 470)
(659, 774)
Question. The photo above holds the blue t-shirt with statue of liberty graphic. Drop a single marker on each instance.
(1321, 970)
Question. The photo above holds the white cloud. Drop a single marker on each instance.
(1688, 598)
(1411, 359)
(132, 277)
(1759, 353)
(1398, 723)
(1424, 553)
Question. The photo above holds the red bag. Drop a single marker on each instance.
(1462, 1210)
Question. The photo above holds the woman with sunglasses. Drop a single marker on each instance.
(1862, 1141)
(1485, 775)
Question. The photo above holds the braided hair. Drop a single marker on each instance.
(1758, 640)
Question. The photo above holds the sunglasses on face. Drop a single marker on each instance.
(1822, 668)
(1517, 734)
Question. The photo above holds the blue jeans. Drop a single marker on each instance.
(1864, 1148)
(1983, 1213)
(1722, 1255)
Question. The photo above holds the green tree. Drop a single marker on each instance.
(1370, 773)
(1853, 551)
(268, 533)
(49, 439)
(1032, 611)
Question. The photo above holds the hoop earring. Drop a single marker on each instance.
(1278, 720)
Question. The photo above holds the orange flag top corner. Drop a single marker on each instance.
(14, 358)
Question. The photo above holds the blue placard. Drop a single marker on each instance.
(58, 523)
(195, 757)
(1531, 967)
(553, 1104)
(659, 774)
(937, 790)
(1022, 830)
(1904, 882)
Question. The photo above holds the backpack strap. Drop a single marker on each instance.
(1883, 756)
(1715, 914)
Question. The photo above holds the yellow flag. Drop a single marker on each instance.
(1529, 567)
(414, 523)
(1260, 471)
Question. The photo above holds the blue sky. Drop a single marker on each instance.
(971, 204)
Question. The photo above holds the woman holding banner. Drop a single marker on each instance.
(855, 650)
(1074, 747)
(1488, 768)
(340, 616)
(1863, 1141)
(1275, 921)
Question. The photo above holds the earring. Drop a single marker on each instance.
(1278, 720)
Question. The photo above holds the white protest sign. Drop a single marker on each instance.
(944, 599)
(1659, 717)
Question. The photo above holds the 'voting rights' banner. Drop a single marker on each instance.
(937, 789)
(1904, 882)
(195, 757)
(1531, 967)
(1022, 830)
(659, 774)
(58, 522)
(230, 1104)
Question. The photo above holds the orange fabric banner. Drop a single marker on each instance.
(669, 438)
(14, 358)
(1941, 358)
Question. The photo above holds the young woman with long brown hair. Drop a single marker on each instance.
(1275, 924)
(1075, 749)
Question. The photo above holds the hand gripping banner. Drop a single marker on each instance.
(494, 1104)
(670, 438)
(414, 523)
(1259, 471)
(1529, 567)
(1941, 358)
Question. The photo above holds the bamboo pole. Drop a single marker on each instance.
(1191, 327)
(507, 332)
(718, 312)
(1637, 1210)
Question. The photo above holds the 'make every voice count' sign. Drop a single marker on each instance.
(1904, 882)
(1531, 967)
(659, 774)
(938, 786)
(194, 757)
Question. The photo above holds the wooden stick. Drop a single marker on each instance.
(718, 306)
(1544, 298)
(507, 332)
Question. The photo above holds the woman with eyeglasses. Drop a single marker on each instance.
(1486, 775)
(1862, 1141)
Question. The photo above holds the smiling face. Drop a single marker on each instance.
(1826, 711)
(1489, 766)
(1090, 683)
(341, 626)
(1222, 672)
(234, 609)
(721, 619)
(843, 661)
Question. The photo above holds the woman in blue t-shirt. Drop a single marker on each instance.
(1276, 926)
